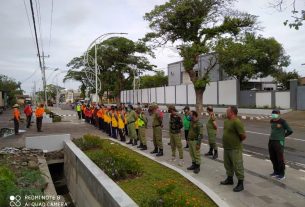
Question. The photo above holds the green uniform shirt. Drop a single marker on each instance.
(186, 122)
(279, 130)
(131, 116)
(195, 132)
(156, 120)
(232, 130)
(175, 124)
(210, 127)
(142, 120)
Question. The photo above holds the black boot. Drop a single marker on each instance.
(135, 142)
(144, 147)
(228, 181)
(192, 167)
(130, 142)
(197, 169)
(187, 146)
(215, 156)
(140, 146)
(209, 153)
(160, 153)
(154, 151)
(239, 187)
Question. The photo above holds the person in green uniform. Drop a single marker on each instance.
(279, 130)
(233, 135)
(195, 137)
(175, 126)
(186, 124)
(131, 119)
(212, 130)
(157, 130)
(142, 122)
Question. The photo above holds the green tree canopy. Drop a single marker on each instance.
(251, 57)
(151, 81)
(195, 26)
(283, 78)
(11, 87)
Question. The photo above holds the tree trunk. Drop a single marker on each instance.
(199, 97)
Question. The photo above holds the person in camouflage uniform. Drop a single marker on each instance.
(142, 123)
(233, 135)
(131, 119)
(195, 137)
(157, 130)
(212, 130)
(175, 125)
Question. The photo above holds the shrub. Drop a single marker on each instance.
(88, 142)
(7, 185)
(56, 118)
(47, 111)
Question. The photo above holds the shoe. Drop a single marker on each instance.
(173, 159)
(239, 187)
(140, 146)
(197, 169)
(215, 156)
(154, 151)
(144, 147)
(273, 175)
(181, 162)
(187, 146)
(192, 167)
(135, 142)
(169, 143)
(280, 177)
(228, 181)
(210, 153)
(160, 153)
(130, 142)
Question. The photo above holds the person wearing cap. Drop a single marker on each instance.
(157, 125)
(39, 116)
(233, 136)
(28, 113)
(142, 124)
(212, 130)
(16, 117)
(131, 119)
(175, 126)
(195, 137)
(279, 130)
(186, 124)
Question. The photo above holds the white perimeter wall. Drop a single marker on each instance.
(228, 92)
(181, 94)
(170, 94)
(282, 99)
(160, 95)
(263, 99)
(210, 94)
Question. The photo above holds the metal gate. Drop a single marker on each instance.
(301, 98)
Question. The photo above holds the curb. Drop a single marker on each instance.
(218, 201)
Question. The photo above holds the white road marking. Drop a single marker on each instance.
(302, 170)
(247, 155)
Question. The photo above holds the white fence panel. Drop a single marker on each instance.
(210, 94)
(181, 94)
(263, 99)
(160, 95)
(153, 97)
(191, 94)
(282, 99)
(228, 92)
(145, 97)
(170, 94)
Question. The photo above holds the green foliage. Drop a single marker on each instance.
(57, 118)
(151, 81)
(251, 56)
(283, 77)
(7, 185)
(11, 87)
(47, 111)
(88, 142)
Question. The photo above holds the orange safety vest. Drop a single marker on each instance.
(39, 112)
(16, 114)
(99, 113)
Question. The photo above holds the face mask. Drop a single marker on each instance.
(275, 116)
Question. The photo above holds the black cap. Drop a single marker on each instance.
(276, 111)
(186, 107)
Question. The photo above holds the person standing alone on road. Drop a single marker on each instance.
(16, 115)
(186, 124)
(233, 135)
(279, 130)
(28, 113)
(39, 116)
(212, 130)
(79, 110)
(175, 126)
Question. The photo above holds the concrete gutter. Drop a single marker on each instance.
(200, 185)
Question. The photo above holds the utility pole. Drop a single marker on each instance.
(44, 81)
(96, 94)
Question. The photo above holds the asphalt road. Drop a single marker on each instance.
(256, 143)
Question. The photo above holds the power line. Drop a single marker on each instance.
(30, 76)
(37, 45)
(39, 23)
(28, 18)
(51, 25)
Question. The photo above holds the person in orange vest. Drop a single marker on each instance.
(16, 115)
(39, 116)
(83, 107)
(28, 113)
(108, 121)
(114, 122)
(99, 115)
(88, 114)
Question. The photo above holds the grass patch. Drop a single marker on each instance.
(155, 185)
(56, 118)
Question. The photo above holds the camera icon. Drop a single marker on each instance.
(15, 201)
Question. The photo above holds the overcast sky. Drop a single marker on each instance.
(76, 23)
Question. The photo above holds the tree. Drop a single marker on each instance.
(298, 14)
(51, 92)
(251, 56)
(11, 87)
(195, 26)
(283, 78)
(151, 81)
(120, 60)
